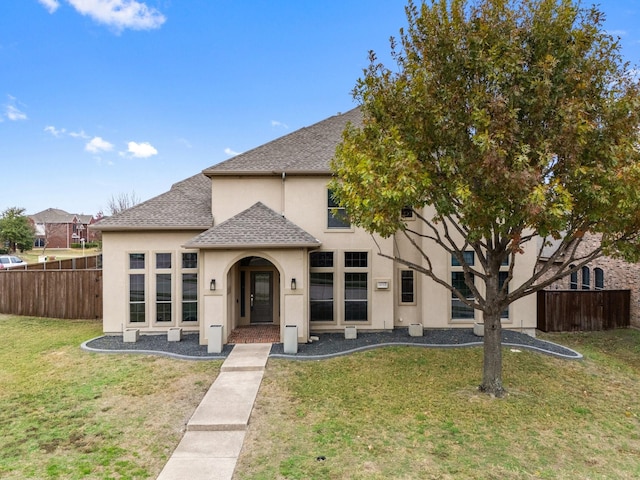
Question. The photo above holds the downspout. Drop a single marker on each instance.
(284, 176)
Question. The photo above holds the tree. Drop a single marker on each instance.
(513, 121)
(122, 202)
(16, 230)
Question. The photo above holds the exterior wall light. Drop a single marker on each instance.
(212, 285)
(293, 284)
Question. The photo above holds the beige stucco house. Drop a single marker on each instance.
(257, 240)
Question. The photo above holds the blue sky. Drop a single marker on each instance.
(106, 97)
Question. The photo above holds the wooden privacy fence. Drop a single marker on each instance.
(79, 263)
(583, 310)
(52, 293)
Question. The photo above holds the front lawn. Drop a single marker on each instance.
(415, 413)
(69, 414)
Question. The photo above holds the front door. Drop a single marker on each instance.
(261, 299)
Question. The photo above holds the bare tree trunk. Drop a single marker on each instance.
(492, 367)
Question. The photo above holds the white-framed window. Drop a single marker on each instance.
(137, 288)
(189, 288)
(164, 288)
(599, 274)
(336, 215)
(586, 278)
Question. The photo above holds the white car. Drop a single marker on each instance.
(11, 261)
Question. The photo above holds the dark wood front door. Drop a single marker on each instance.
(261, 300)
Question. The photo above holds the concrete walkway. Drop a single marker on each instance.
(215, 433)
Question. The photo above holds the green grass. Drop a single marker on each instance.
(412, 413)
(69, 414)
(32, 256)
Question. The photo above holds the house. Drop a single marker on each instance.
(258, 240)
(603, 273)
(56, 228)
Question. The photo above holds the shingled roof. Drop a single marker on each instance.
(306, 151)
(186, 206)
(258, 226)
(55, 215)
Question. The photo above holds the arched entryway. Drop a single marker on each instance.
(256, 311)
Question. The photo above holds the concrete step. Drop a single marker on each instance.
(247, 357)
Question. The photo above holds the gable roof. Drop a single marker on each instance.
(307, 151)
(56, 215)
(257, 226)
(186, 206)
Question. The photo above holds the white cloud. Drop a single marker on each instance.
(79, 134)
(54, 131)
(50, 5)
(120, 14)
(228, 151)
(97, 145)
(141, 150)
(276, 123)
(12, 112)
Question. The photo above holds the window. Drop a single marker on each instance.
(599, 273)
(586, 280)
(163, 260)
(189, 260)
(136, 261)
(189, 297)
(336, 215)
(189, 286)
(355, 297)
(459, 310)
(407, 213)
(136, 298)
(163, 297)
(321, 296)
(469, 258)
(407, 286)
(356, 287)
(355, 259)
(321, 287)
(321, 259)
(573, 280)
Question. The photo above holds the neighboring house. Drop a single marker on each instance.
(604, 273)
(56, 228)
(257, 240)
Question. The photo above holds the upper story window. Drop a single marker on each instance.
(407, 213)
(336, 215)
